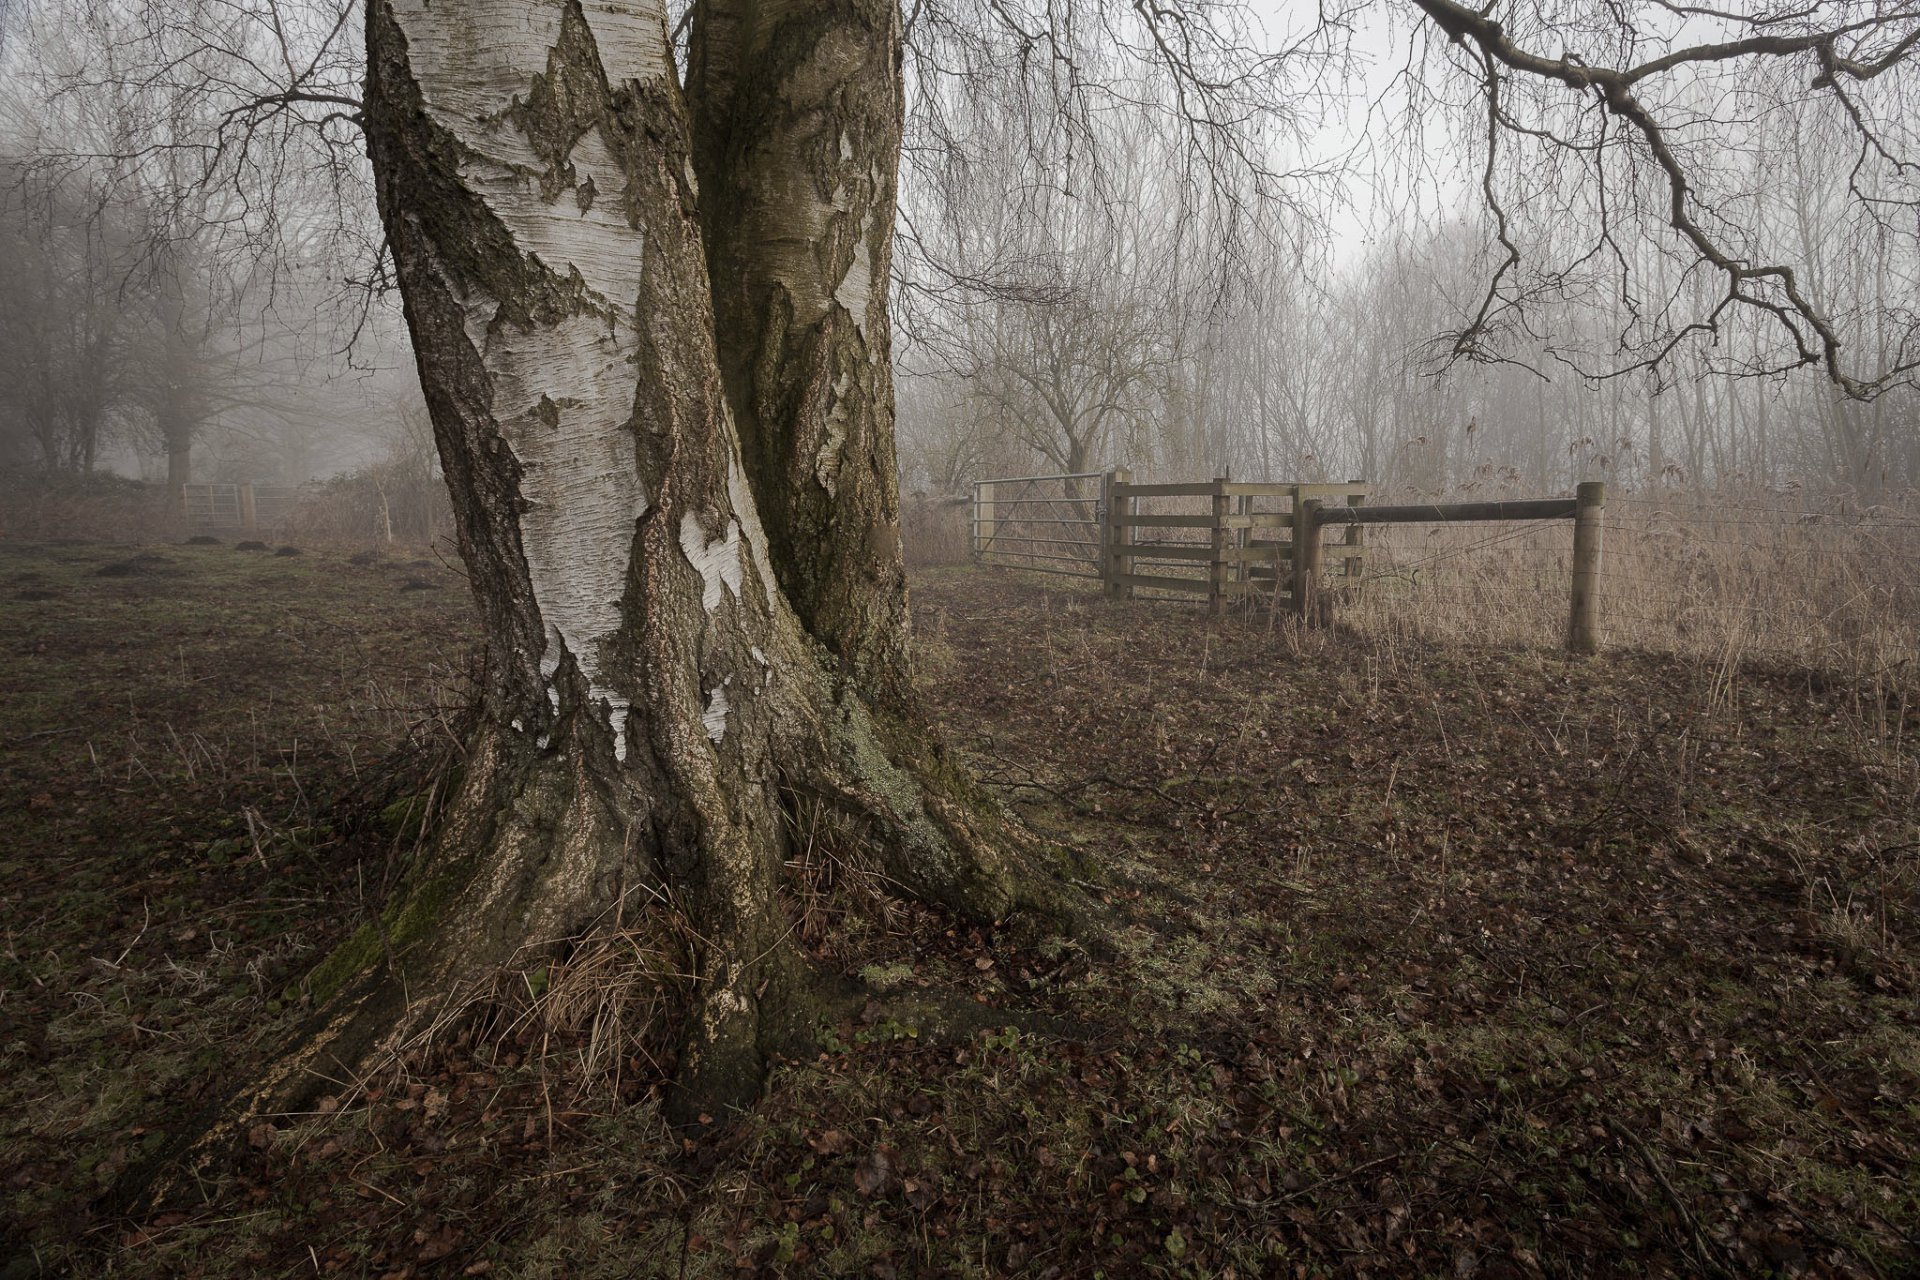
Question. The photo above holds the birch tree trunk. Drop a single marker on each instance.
(796, 114)
(652, 703)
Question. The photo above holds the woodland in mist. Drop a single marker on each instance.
(1285, 280)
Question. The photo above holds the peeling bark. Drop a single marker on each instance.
(797, 113)
(556, 288)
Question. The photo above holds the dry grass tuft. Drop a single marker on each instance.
(836, 895)
(612, 1004)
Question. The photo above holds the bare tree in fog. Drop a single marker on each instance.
(1674, 191)
(212, 145)
(106, 323)
(1070, 283)
(200, 358)
(236, 123)
(63, 323)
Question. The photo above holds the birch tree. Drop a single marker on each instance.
(682, 536)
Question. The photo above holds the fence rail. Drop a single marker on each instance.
(1242, 554)
(211, 506)
(1223, 543)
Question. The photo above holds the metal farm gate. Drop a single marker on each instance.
(211, 506)
(1049, 524)
(238, 508)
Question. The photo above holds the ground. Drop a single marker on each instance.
(1434, 960)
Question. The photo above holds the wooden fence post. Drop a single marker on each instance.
(249, 516)
(1583, 624)
(1307, 550)
(1243, 543)
(982, 517)
(1217, 562)
(1115, 563)
(1356, 537)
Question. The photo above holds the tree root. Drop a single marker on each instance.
(532, 850)
(942, 837)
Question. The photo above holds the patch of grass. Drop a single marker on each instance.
(178, 723)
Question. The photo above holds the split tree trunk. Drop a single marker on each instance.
(652, 703)
(796, 117)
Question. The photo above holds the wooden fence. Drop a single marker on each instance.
(1220, 539)
(1226, 540)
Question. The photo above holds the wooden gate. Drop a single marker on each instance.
(1224, 540)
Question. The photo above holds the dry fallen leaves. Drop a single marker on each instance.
(877, 1173)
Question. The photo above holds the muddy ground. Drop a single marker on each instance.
(1432, 960)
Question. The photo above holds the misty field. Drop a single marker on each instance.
(1437, 958)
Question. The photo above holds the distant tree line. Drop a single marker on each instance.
(117, 331)
(1096, 297)
(1340, 379)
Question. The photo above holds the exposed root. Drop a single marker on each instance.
(937, 833)
(542, 908)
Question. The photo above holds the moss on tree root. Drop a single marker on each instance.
(935, 831)
(406, 921)
(953, 844)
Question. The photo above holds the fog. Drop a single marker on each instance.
(1300, 246)
(724, 859)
